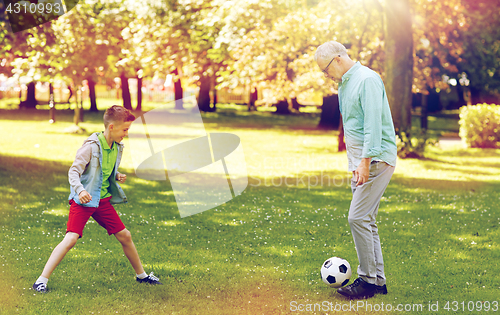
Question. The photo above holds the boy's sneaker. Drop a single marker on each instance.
(40, 287)
(151, 279)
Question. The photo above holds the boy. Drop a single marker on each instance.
(93, 178)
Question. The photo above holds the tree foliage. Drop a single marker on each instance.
(268, 44)
(278, 51)
(438, 44)
(481, 48)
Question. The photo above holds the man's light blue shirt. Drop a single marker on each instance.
(368, 127)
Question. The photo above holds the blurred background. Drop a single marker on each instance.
(435, 56)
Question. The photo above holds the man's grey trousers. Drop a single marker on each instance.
(362, 219)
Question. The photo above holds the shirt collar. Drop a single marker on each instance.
(103, 141)
(351, 72)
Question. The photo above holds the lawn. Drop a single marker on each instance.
(261, 252)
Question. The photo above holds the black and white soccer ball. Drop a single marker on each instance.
(336, 272)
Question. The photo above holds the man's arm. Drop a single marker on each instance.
(372, 100)
(372, 97)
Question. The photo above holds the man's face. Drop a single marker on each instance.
(119, 130)
(332, 69)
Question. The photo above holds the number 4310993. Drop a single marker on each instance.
(42, 8)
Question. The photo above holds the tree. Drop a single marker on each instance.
(268, 54)
(170, 39)
(24, 59)
(481, 48)
(178, 91)
(25, 18)
(4, 39)
(399, 62)
(132, 58)
(278, 52)
(80, 51)
(203, 30)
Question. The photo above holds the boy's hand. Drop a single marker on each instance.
(84, 196)
(121, 177)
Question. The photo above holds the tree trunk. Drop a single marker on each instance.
(77, 115)
(461, 95)
(214, 92)
(52, 107)
(92, 96)
(282, 108)
(475, 95)
(81, 104)
(139, 94)
(434, 102)
(330, 113)
(178, 91)
(51, 93)
(127, 100)
(295, 104)
(341, 146)
(70, 93)
(30, 101)
(253, 97)
(214, 100)
(399, 62)
(203, 98)
(424, 114)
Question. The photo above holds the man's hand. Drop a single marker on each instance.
(362, 173)
(84, 196)
(121, 177)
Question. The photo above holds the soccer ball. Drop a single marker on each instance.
(336, 272)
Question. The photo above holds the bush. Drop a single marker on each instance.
(480, 126)
(413, 147)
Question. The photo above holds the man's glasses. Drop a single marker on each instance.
(324, 71)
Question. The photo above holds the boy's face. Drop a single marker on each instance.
(119, 130)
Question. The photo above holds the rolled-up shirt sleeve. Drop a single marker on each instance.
(82, 159)
(372, 97)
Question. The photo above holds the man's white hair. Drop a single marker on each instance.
(328, 50)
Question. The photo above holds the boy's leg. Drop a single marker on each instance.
(59, 252)
(55, 258)
(125, 238)
(107, 217)
(78, 217)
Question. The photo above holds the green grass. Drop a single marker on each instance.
(439, 222)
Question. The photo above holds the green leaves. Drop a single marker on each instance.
(266, 42)
(479, 125)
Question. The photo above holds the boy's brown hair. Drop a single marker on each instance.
(117, 114)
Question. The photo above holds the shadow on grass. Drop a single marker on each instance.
(219, 120)
(65, 115)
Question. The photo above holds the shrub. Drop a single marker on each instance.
(413, 147)
(480, 126)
